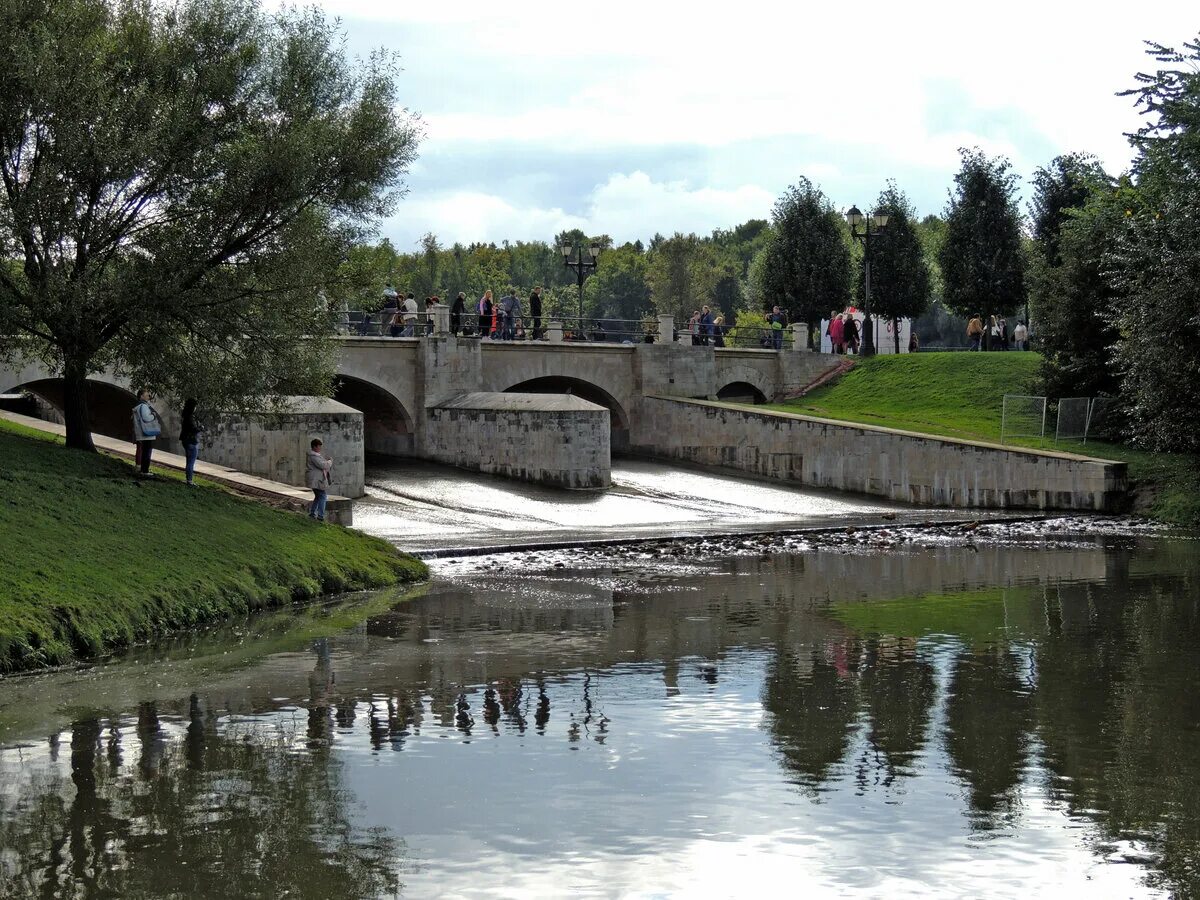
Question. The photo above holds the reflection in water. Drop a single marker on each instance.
(213, 812)
(898, 691)
(953, 729)
(988, 731)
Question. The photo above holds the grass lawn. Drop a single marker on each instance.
(95, 559)
(961, 395)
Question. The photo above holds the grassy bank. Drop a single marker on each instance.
(961, 395)
(95, 559)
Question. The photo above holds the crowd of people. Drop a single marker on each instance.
(995, 335)
(502, 319)
(508, 318)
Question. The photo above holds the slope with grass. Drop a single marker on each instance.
(961, 395)
(94, 559)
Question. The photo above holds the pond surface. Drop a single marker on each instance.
(1009, 720)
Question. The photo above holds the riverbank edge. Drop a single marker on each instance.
(98, 560)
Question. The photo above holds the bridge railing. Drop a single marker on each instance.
(573, 329)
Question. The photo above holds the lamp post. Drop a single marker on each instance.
(872, 226)
(582, 267)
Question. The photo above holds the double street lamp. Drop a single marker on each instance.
(872, 226)
(582, 267)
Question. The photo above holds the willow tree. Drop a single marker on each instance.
(180, 182)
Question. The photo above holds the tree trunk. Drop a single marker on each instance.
(896, 334)
(75, 406)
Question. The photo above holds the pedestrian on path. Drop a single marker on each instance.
(147, 425)
(189, 436)
(318, 479)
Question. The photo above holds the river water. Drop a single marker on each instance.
(949, 714)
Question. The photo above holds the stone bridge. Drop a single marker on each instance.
(409, 389)
(394, 381)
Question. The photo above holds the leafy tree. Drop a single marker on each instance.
(900, 280)
(1156, 260)
(1076, 215)
(1066, 184)
(805, 264)
(367, 270)
(179, 182)
(619, 289)
(681, 275)
(425, 280)
(982, 262)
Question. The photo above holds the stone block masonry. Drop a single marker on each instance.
(551, 439)
(882, 462)
(275, 445)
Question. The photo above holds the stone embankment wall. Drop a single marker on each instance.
(549, 439)
(881, 462)
(275, 445)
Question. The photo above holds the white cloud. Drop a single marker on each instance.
(867, 91)
(626, 206)
(633, 206)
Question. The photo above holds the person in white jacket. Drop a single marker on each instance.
(318, 479)
(147, 425)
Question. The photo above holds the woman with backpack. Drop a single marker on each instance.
(147, 425)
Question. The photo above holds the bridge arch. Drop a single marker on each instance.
(109, 405)
(741, 392)
(742, 383)
(387, 425)
(586, 390)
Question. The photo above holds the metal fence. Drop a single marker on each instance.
(1078, 419)
(1022, 416)
(1072, 419)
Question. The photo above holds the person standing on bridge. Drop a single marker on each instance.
(535, 311)
(777, 321)
(485, 313)
(512, 318)
(147, 425)
(706, 325)
(318, 479)
(410, 316)
(457, 314)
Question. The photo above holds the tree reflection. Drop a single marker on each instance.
(899, 689)
(989, 714)
(208, 814)
(1118, 709)
(812, 707)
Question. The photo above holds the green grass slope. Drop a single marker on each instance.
(961, 395)
(950, 394)
(93, 559)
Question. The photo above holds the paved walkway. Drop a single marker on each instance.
(339, 509)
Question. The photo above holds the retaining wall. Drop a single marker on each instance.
(550, 439)
(882, 462)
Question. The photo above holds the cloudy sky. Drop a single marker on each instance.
(635, 118)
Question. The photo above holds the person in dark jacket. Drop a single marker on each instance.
(189, 436)
(850, 334)
(535, 311)
(457, 308)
